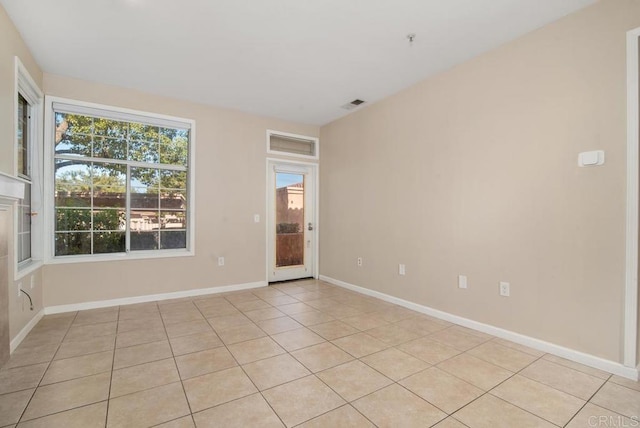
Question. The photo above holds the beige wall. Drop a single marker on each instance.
(474, 172)
(230, 189)
(11, 45)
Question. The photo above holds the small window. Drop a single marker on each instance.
(292, 145)
(24, 226)
(23, 136)
(24, 205)
(120, 182)
(28, 142)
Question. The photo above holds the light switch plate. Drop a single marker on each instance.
(592, 158)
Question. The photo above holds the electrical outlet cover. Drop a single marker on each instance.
(462, 281)
(505, 289)
(402, 269)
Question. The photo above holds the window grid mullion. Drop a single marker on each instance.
(127, 218)
(159, 213)
(159, 196)
(134, 164)
(91, 211)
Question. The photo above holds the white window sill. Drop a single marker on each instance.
(26, 268)
(134, 255)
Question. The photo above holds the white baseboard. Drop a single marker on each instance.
(25, 331)
(541, 345)
(151, 298)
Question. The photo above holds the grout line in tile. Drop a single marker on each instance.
(515, 405)
(598, 390)
(577, 366)
(565, 392)
(113, 361)
(175, 363)
(250, 380)
(45, 371)
(491, 389)
(62, 411)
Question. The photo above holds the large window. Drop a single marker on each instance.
(120, 182)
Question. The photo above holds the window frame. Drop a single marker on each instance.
(116, 113)
(315, 140)
(26, 87)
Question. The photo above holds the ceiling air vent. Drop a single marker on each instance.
(353, 104)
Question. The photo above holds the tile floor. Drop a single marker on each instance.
(295, 354)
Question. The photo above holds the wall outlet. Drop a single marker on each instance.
(19, 289)
(462, 281)
(33, 281)
(504, 289)
(220, 261)
(401, 269)
(256, 218)
(359, 262)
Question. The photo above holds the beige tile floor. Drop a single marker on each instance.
(295, 354)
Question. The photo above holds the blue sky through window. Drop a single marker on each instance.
(284, 179)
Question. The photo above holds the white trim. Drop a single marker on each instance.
(27, 267)
(25, 85)
(541, 345)
(16, 341)
(151, 298)
(121, 114)
(114, 257)
(315, 170)
(631, 276)
(315, 140)
(11, 187)
(316, 261)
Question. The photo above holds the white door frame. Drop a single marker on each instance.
(315, 171)
(633, 143)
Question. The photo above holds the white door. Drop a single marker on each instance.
(291, 221)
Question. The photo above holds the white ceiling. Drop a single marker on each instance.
(293, 59)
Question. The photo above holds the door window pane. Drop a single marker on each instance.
(289, 219)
